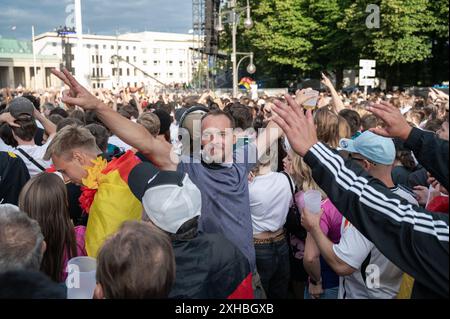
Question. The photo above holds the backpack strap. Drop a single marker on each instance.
(31, 159)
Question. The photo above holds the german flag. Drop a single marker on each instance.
(108, 199)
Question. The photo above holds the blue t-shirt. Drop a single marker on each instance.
(225, 198)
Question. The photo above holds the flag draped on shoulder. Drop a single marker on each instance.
(107, 199)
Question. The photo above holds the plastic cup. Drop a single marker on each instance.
(81, 280)
(313, 201)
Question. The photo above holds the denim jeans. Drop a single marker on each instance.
(272, 263)
(330, 293)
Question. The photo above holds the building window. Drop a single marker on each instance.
(127, 47)
(104, 48)
(155, 63)
(135, 72)
(101, 59)
(134, 59)
(170, 63)
(135, 84)
(181, 63)
(170, 75)
(128, 59)
(54, 44)
(181, 75)
(134, 48)
(93, 72)
(93, 85)
(144, 62)
(101, 71)
(156, 75)
(120, 72)
(88, 46)
(96, 46)
(93, 59)
(96, 59)
(120, 47)
(156, 51)
(112, 47)
(128, 72)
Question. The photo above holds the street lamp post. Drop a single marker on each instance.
(235, 15)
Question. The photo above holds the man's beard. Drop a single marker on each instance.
(218, 157)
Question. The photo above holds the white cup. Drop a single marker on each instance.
(313, 200)
(81, 280)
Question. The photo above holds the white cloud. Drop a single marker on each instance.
(99, 16)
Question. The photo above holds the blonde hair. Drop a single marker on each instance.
(327, 124)
(70, 138)
(270, 158)
(151, 122)
(302, 175)
(344, 129)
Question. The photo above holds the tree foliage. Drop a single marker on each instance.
(307, 36)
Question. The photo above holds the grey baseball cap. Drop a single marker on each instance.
(20, 107)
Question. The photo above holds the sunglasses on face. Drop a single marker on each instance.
(359, 159)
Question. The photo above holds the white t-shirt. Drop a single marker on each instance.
(361, 254)
(5, 147)
(37, 153)
(270, 198)
(114, 140)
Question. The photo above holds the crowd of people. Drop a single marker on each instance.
(203, 196)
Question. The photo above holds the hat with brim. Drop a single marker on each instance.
(169, 198)
(20, 108)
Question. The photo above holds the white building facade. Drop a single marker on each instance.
(17, 66)
(152, 58)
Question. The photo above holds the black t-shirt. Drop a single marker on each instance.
(13, 176)
(400, 175)
(76, 213)
(419, 177)
(39, 137)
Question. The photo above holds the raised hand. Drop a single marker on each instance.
(298, 127)
(301, 97)
(395, 123)
(77, 95)
(440, 94)
(326, 81)
(8, 119)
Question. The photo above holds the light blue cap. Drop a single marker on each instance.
(375, 148)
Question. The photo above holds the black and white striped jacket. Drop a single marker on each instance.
(414, 239)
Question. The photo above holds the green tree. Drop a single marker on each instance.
(405, 36)
(279, 38)
(333, 47)
(295, 38)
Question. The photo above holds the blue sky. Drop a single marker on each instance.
(99, 16)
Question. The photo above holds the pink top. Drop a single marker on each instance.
(331, 219)
(81, 250)
(330, 223)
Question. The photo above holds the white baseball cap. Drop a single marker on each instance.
(169, 198)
